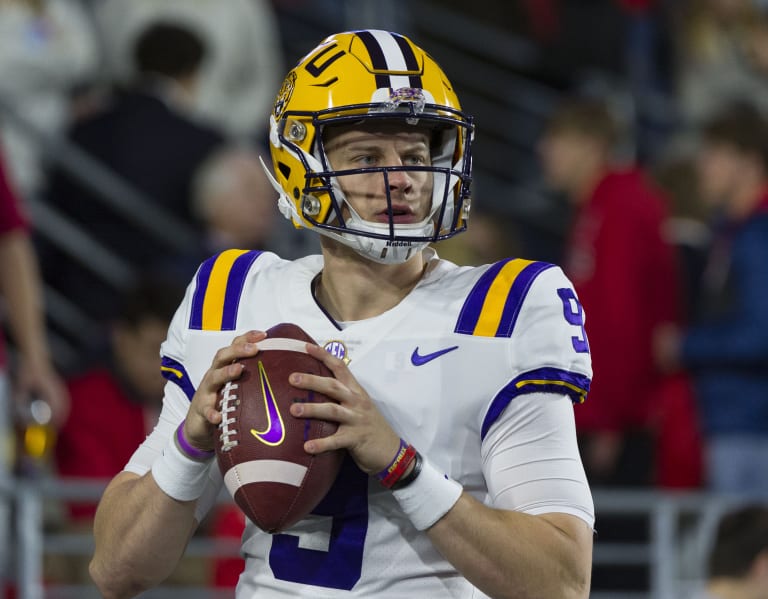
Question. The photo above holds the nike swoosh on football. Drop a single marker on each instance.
(419, 360)
(274, 434)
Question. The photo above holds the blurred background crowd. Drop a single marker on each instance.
(625, 140)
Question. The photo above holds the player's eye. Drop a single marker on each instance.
(416, 160)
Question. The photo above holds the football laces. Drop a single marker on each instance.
(229, 403)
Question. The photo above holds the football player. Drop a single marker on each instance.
(453, 386)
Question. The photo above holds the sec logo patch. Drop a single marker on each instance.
(338, 349)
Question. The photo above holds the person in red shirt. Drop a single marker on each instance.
(114, 403)
(34, 374)
(114, 406)
(626, 276)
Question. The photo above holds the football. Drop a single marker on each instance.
(260, 445)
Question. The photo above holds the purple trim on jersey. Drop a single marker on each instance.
(541, 380)
(473, 305)
(173, 371)
(201, 284)
(234, 288)
(235, 283)
(517, 294)
(470, 311)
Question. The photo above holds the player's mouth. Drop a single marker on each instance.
(400, 214)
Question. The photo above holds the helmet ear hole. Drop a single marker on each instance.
(284, 169)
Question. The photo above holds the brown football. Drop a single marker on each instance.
(260, 446)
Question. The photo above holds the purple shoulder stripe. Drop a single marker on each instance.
(541, 380)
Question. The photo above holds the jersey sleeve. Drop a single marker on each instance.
(531, 459)
(529, 451)
(547, 346)
(179, 390)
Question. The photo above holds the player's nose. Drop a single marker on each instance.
(399, 179)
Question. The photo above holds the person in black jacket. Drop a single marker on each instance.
(145, 135)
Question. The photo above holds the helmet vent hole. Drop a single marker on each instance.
(285, 171)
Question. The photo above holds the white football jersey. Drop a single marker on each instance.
(477, 368)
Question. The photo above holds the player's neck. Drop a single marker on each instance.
(353, 288)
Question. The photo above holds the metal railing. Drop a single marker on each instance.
(681, 527)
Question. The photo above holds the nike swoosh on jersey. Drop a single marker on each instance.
(274, 434)
(419, 360)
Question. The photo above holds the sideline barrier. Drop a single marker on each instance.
(681, 527)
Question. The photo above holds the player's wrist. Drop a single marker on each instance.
(188, 449)
(177, 474)
(400, 465)
(410, 474)
(428, 496)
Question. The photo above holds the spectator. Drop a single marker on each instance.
(235, 204)
(626, 277)
(726, 347)
(47, 48)
(738, 561)
(34, 372)
(114, 406)
(720, 58)
(145, 136)
(242, 73)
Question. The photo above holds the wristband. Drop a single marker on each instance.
(418, 462)
(429, 496)
(178, 475)
(397, 467)
(191, 452)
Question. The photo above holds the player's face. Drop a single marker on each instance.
(383, 145)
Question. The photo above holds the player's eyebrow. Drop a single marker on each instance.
(368, 143)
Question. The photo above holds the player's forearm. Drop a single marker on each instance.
(21, 288)
(140, 535)
(514, 555)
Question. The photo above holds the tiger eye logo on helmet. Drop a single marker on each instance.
(412, 97)
(284, 95)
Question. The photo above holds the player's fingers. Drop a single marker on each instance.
(328, 386)
(322, 411)
(335, 365)
(323, 444)
(242, 346)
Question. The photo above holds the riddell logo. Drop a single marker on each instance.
(399, 244)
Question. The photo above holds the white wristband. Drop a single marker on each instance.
(178, 475)
(429, 497)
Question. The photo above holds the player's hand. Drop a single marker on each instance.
(363, 430)
(204, 415)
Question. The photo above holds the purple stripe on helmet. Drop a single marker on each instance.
(541, 380)
(411, 62)
(378, 60)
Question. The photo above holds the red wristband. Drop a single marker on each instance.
(392, 473)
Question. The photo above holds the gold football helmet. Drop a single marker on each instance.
(351, 78)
